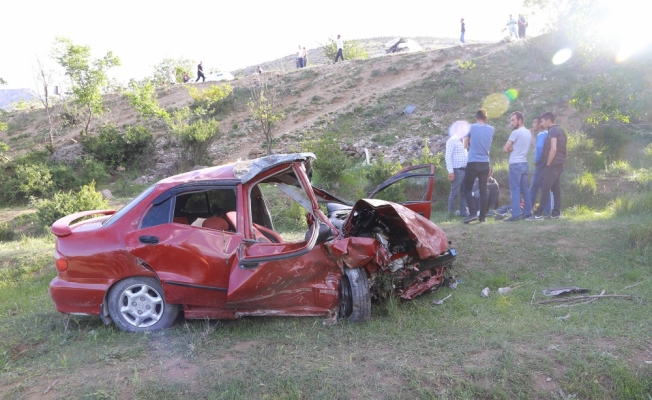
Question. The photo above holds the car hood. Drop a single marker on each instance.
(430, 239)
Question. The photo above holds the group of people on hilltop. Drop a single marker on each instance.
(512, 25)
(302, 57)
(467, 162)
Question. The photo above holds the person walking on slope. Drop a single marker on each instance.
(517, 146)
(554, 154)
(200, 72)
(456, 156)
(340, 48)
(538, 137)
(478, 141)
(511, 25)
(463, 31)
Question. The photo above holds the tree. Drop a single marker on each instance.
(265, 110)
(87, 76)
(2, 82)
(43, 80)
(143, 99)
(353, 50)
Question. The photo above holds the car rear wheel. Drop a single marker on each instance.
(355, 300)
(137, 304)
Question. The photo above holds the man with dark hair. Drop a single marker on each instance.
(517, 146)
(554, 155)
(463, 31)
(511, 26)
(200, 72)
(478, 142)
(538, 138)
(340, 48)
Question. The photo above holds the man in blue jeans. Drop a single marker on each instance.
(517, 146)
(539, 137)
(478, 142)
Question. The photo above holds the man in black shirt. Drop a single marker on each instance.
(554, 155)
(200, 73)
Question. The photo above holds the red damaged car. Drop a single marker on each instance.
(204, 243)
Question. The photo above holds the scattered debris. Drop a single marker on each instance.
(50, 387)
(556, 291)
(440, 302)
(504, 290)
(485, 292)
(541, 275)
(409, 109)
(631, 286)
(453, 285)
(648, 362)
(564, 318)
(580, 300)
(548, 379)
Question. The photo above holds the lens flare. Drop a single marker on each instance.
(459, 129)
(496, 104)
(511, 94)
(562, 56)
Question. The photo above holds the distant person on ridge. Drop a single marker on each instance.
(200, 72)
(301, 60)
(463, 30)
(340, 48)
(522, 24)
(186, 78)
(304, 54)
(511, 25)
(478, 142)
(298, 59)
(259, 70)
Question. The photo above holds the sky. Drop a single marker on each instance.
(224, 35)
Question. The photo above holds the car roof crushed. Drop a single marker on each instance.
(247, 170)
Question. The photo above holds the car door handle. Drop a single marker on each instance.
(148, 239)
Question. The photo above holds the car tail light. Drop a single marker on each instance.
(60, 262)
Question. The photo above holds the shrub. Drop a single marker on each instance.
(6, 233)
(640, 236)
(639, 204)
(583, 153)
(116, 148)
(194, 139)
(585, 186)
(331, 161)
(25, 180)
(63, 204)
(66, 177)
(213, 99)
(380, 171)
(353, 50)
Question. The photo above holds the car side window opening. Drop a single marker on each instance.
(286, 206)
(158, 214)
(413, 187)
(207, 208)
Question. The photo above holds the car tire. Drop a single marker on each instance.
(137, 304)
(355, 300)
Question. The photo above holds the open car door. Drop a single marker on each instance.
(411, 187)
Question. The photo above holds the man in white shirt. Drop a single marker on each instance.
(456, 157)
(517, 146)
(340, 48)
(511, 25)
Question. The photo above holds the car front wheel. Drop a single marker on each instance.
(137, 304)
(355, 300)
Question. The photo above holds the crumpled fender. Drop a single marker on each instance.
(430, 239)
(354, 252)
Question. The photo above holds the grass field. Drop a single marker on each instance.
(501, 347)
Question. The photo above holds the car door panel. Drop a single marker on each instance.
(411, 187)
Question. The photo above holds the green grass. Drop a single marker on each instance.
(501, 347)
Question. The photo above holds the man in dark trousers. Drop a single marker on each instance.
(479, 142)
(463, 30)
(200, 72)
(340, 48)
(554, 154)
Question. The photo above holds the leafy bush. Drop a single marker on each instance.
(380, 171)
(585, 187)
(211, 100)
(640, 236)
(63, 204)
(6, 233)
(331, 161)
(583, 153)
(194, 139)
(116, 148)
(639, 204)
(143, 99)
(353, 50)
(25, 180)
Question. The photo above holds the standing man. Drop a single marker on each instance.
(200, 72)
(554, 154)
(478, 141)
(304, 55)
(456, 157)
(538, 137)
(522, 24)
(517, 146)
(511, 25)
(301, 61)
(463, 30)
(340, 48)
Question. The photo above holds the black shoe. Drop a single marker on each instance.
(470, 218)
(555, 216)
(512, 219)
(525, 216)
(535, 217)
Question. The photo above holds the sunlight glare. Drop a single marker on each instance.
(496, 104)
(562, 56)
